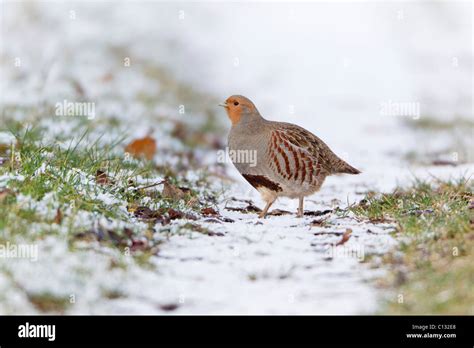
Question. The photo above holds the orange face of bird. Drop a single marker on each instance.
(235, 106)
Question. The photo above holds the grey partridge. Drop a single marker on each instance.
(288, 160)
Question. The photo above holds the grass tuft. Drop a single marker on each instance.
(432, 271)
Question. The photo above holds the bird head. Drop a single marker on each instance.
(240, 108)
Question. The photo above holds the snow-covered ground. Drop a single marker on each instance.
(331, 67)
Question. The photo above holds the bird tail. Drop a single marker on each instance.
(344, 167)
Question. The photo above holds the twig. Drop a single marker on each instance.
(152, 185)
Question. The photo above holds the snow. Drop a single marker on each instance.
(325, 66)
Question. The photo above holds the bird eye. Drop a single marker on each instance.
(236, 103)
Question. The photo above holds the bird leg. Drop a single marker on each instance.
(300, 208)
(265, 210)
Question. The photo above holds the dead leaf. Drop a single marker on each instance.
(215, 234)
(209, 211)
(213, 221)
(318, 223)
(278, 212)
(317, 212)
(175, 214)
(104, 235)
(87, 236)
(444, 163)
(379, 220)
(144, 147)
(328, 233)
(201, 229)
(146, 213)
(169, 307)
(101, 178)
(59, 217)
(173, 192)
(250, 208)
(179, 131)
(139, 245)
(345, 237)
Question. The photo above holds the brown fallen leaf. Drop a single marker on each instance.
(345, 237)
(146, 213)
(218, 220)
(173, 192)
(250, 208)
(59, 217)
(180, 131)
(318, 212)
(138, 245)
(209, 211)
(318, 223)
(101, 178)
(168, 307)
(278, 212)
(201, 229)
(213, 221)
(100, 234)
(444, 163)
(144, 147)
(175, 214)
(87, 236)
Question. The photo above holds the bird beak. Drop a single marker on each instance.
(224, 104)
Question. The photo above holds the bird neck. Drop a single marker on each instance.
(250, 120)
(251, 125)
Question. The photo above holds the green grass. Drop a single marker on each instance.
(49, 303)
(432, 271)
(57, 176)
(64, 170)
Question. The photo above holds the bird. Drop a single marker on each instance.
(289, 160)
